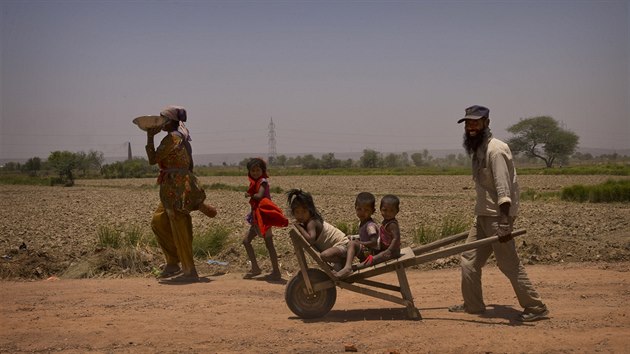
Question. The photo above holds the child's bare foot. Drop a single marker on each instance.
(208, 210)
(274, 276)
(252, 273)
(343, 273)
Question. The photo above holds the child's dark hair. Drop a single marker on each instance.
(366, 198)
(257, 161)
(297, 197)
(391, 200)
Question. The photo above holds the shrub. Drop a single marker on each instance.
(451, 225)
(25, 180)
(133, 237)
(608, 192)
(211, 242)
(348, 228)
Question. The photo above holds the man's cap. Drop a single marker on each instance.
(475, 112)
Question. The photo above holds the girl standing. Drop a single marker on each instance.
(264, 214)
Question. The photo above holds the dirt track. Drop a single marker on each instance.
(589, 303)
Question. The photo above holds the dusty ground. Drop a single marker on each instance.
(589, 303)
(578, 255)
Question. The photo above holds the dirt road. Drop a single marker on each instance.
(589, 303)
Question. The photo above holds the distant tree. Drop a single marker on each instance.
(244, 162)
(417, 159)
(310, 162)
(541, 137)
(64, 162)
(12, 166)
(32, 165)
(281, 160)
(370, 159)
(294, 161)
(392, 160)
(329, 161)
(93, 160)
(404, 159)
(134, 168)
(348, 163)
(582, 157)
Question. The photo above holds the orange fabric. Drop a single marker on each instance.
(268, 214)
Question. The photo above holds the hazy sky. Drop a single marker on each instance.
(336, 76)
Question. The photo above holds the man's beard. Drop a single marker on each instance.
(472, 143)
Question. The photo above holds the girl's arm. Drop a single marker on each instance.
(261, 191)
(310, 233)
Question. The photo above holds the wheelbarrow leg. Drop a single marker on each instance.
(405, 291)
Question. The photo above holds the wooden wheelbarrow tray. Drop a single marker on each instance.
(312, 292)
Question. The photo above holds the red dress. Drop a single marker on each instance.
(265, 213)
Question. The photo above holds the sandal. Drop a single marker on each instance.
(167, 273)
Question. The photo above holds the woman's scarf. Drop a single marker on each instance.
(178, 114)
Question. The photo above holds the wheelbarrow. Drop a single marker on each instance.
(312, 292)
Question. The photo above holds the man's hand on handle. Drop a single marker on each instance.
(504, 231)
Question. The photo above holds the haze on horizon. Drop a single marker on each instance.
(335, 76)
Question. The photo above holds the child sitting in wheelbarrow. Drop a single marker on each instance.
(331, 242)
(386, 243)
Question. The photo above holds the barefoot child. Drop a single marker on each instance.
(264, 214)
(367, 244)
(389, 233)
(327, 239)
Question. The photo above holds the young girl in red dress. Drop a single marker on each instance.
(264, 214)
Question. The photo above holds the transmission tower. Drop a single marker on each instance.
(272, 142)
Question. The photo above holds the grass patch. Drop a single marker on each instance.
(451, 225)
(26, 180)
(532, 195)
(607, 169)
(133, 237)
(348, 228)
(211, 242)
(608, 192)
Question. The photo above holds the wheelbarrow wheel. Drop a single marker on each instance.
(307, 305)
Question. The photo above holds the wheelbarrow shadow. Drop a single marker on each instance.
(380, 314)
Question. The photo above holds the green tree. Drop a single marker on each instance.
(310, 162)
(32, 165)
(134, 168)
(329, 161)
(63, 162)
(541, 137)
(392, 160)
(370, 159)
(281, 160)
